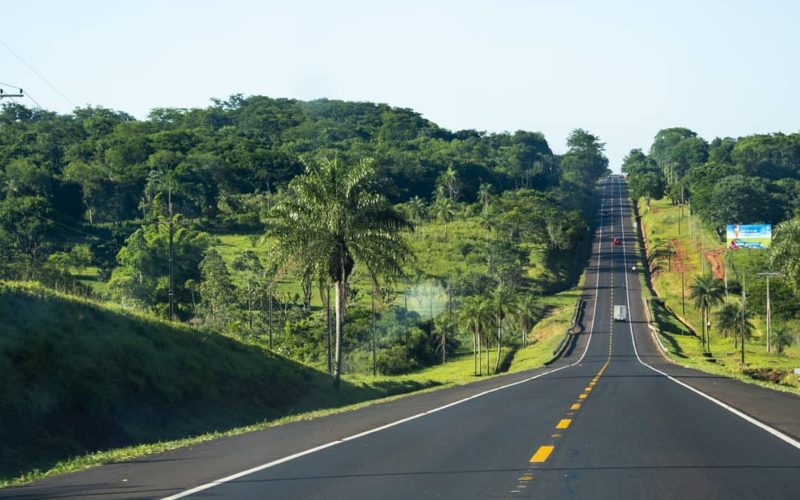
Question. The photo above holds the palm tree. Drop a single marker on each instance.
(785, 251)
(416, 210)
(477, 319)
(334, 218)
(707, 292)
(729, 319)
(449, 179)
(782, 338)
(445, 329)
(504, 306)
(485, 195)
(445, 210)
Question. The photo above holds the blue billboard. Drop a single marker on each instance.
(749, 236)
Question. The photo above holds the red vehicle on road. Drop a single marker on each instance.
(615, 241)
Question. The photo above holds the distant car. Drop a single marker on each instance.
(615, 241)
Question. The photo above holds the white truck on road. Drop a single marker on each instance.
(620, 313)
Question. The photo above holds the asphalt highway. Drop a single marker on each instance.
(610, 420)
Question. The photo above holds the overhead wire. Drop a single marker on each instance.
(76, 230)
(45, 80)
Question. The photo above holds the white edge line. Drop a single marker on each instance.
(330, 444)
(761, 425)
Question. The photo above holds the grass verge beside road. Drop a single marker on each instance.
(77, 322)
(670, 251)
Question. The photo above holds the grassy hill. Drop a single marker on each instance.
(672, 249)
(86, 383)
(79, 377)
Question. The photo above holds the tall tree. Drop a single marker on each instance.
(729, 322)
(785, 252)
(248, 263)
(216, 290)
(445, 210)
(706, 291)
(336, 218)
(505, 305)
(783, 338)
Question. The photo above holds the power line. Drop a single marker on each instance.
(29, 96)
(37, 73)
(21, 94)
(76, 230)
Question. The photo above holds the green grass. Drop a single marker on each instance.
(549, 332)
(660, 224)
(71, 364)
(437, 258)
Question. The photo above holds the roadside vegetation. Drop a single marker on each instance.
(251, 253)
(686, 191)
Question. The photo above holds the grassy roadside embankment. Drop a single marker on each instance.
(660, 227)
(110, 385)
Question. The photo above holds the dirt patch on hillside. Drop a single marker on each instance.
(681, 258)
(717, 265)
(677, 254)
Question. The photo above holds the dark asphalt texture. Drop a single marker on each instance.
(637, 434)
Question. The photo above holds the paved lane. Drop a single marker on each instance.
(643, 436)
(597, 424)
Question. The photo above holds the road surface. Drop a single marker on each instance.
(610, 420)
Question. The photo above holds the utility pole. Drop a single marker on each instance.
(683, 295)
(683, 201)
(703, 252)
(725, 258)
(744, 313)
(171, 252)
(769, 275)
(3, 95)
(272, 276)
(374, 353)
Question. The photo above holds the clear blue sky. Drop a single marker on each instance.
(620, 69)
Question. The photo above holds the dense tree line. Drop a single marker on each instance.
(98, 188)
(747, 180)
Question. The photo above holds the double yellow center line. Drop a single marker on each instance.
(544, 451)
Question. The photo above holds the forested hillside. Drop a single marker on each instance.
(706, 186)
(176, 215)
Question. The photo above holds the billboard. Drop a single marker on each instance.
(749, 235)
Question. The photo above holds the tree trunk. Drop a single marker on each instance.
(374, 349)
(341, 296)
(480, 345)
(499, 330)
(487, 357)
(328, 327)
(474, 355)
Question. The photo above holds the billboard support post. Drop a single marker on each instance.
(769, 310)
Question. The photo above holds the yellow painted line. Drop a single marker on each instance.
(526, 477)
(542, 453)
(563, 423)
(588, 389)
(556, 435)
(575, 406)
(582, 396)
